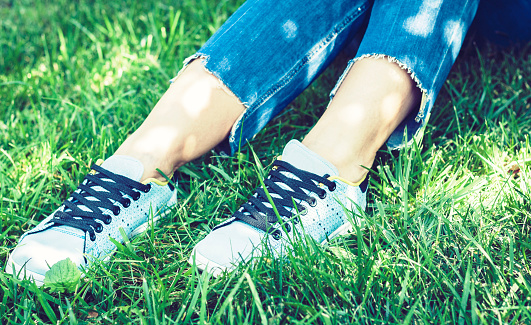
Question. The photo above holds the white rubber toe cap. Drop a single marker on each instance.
(224, 248)
(37, 252)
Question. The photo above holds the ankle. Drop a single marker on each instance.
(155, 164)
(351, 166)
(353, 173)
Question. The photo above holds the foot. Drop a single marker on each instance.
(310, 199)
(111, 197)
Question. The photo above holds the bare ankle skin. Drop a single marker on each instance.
(372, 101)
(194, 115)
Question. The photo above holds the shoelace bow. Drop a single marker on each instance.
(256, 213)
(115, 188)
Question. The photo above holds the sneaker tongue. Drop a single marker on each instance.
(125, 166)
(303, 158)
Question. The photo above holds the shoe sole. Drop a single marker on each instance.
(20, 269)
(39, 278)
(206, 265)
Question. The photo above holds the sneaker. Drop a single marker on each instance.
(311, 199)
(111, 197)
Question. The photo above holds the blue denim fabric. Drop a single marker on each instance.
(269, 51)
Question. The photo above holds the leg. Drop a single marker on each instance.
(194, 115)
(374, 98)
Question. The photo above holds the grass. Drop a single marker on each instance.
(447, 230)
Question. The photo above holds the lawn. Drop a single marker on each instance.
(446, 235)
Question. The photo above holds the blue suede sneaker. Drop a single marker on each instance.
(110, 197)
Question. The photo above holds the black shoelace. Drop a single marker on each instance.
(256, 213)
(116, 187)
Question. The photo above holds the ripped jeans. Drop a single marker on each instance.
(269, 51)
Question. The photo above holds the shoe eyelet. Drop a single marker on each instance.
(126, 203)
(322, 195)
(107, 220)
(288, 227)
(92, 237)
(312, 202)
(99, 228)
(303, 212)
(136, 196)
(147, 188)
(116, 210)
(276, 235)
(332, 188)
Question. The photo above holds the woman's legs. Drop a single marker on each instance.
(197, 113)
